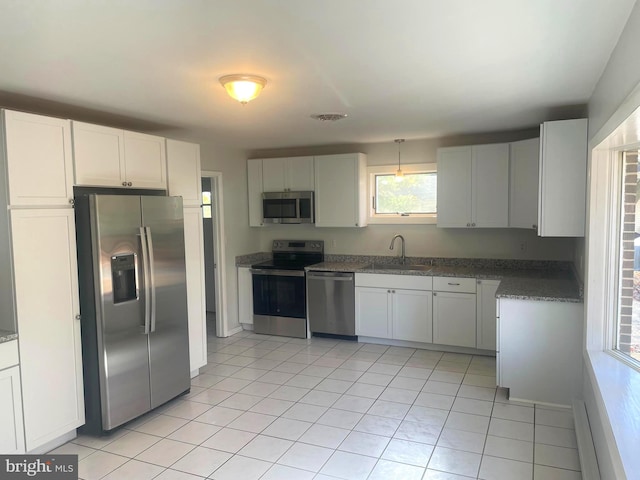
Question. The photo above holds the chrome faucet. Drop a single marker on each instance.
(393, 241)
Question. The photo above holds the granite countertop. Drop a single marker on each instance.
(543, 284)
(7, 336)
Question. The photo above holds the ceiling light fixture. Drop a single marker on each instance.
(399, 172)
(243, 88)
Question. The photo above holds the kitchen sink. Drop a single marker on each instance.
(397, 266)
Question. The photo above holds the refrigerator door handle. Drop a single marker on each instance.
(147, 285)
(152, 277)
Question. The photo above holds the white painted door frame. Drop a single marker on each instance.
(219, 256)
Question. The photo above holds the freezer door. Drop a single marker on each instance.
(162, 219)
(123, 354)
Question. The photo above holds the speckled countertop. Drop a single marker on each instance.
(520, 279)
(7, 336)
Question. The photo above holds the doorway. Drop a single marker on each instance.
(214, 271)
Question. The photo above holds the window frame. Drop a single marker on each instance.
(394, 218)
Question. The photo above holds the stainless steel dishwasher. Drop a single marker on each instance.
(331, 303)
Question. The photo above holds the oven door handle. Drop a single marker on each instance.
(279, 273)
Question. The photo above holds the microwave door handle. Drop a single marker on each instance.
(147, 286)
(152, 277)
(298, 210)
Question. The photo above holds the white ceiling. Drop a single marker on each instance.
(398, 68)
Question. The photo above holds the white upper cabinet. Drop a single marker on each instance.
(110, 157)
(563, 178)
(254, 189)
(287, 174)
(523, 185)
(39, 160)
(341, 190)
(183, 171)
(473, 186)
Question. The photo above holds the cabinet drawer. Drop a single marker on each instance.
(407, 282)
(8, 354)
(454, 284)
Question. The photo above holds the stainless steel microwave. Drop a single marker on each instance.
(287, 207)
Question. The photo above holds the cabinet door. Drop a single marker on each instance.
(39, 159)
(47, 311)
(412, 315)
(254, 188)
(340, 190)
(486, 314)
(196, 294)
(245, 296)
(273, 174)
(12, 437)
(98, 154)
(490, 188)
(454, 319)
(523, 185)
(454, 187)
(299, 174)
(373, 312)
(563, 178)
(183, 172)
(145, 161)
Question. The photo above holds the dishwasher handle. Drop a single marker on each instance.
(332, 276)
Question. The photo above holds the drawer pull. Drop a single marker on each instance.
(451, 283)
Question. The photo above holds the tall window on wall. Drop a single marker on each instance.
(626, 335)
(410, 198)
(206, 204)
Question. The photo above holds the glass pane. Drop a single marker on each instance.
(628, 332)
(206, 198)
(413, 193)
(206, 211)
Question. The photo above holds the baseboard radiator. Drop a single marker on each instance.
(586, 449)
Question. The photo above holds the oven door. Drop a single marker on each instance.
(279, 302)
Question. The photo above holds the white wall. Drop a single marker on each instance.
(620, 77)
(239, 238)
(422, 240)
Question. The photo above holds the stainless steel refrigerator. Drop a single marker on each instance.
(133, 305)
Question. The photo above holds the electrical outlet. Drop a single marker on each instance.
(523, 246)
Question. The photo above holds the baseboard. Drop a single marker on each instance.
(233, 331)
(586, 449)
(55, 443)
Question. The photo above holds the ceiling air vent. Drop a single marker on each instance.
(328, 117)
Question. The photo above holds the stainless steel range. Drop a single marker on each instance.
(279, 288)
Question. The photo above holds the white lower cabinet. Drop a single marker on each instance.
(540, 344)
(245, 296)
(373, 312)
(196, 292)
(486, 314)
(412, 319)
(394, 306)
(454, 319)
(11, 423)
(47, 311)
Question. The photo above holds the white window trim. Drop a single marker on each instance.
(615, 382)
(416, 219)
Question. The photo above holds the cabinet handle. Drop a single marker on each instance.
(124, 184)
(535, 227)
(468, 224)
(388, 291)
(434, 294)
(473, 224)
(72, 202)
(454, 284)
(393, 291)
(129, 183)
(78, 317)
(479, 282)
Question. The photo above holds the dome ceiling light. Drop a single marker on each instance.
(243, 88)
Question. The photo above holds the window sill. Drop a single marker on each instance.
(402, 220)
(618, 388)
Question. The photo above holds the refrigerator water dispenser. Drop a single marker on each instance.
(123, 275)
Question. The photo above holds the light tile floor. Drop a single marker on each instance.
(275, 408)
